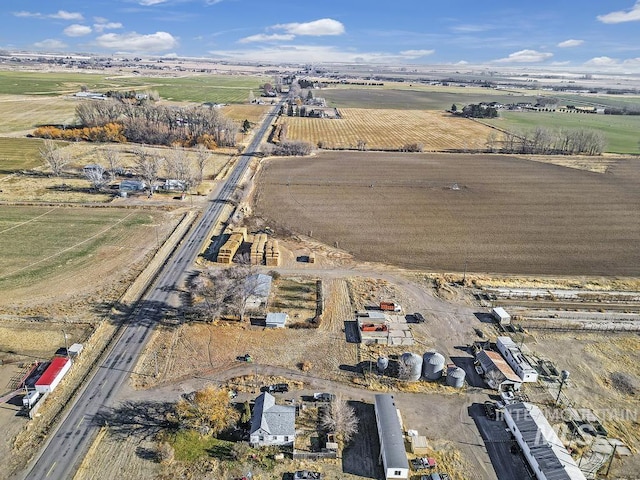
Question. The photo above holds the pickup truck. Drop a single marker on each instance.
(324, 397)
(275, 388)
(307, 475)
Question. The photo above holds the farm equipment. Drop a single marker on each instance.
(245, 358)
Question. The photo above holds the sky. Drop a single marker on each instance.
(586, 35)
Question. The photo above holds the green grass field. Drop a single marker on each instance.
(194, 88)
(19, 154)
(41, 242)
(622, 131)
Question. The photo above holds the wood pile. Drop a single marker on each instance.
(233, 243)
(272, 253)
(257, 249)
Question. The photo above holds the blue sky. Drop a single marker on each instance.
(582, 34)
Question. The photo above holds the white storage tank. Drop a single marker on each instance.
(455, 377)
(433, 365)
(382, 364)
(410, 367)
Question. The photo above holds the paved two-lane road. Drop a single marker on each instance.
(70, 442)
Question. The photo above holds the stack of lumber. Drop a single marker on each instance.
(272, 253)
(233, 243)
(257, 249)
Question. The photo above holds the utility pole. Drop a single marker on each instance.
(613, 454)
(66, 347)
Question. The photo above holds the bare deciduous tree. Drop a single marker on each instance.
(55, 158)
(148, 166)
(202, 158)
(340, 419)
(179, 167)
(95, 175)
(112, 158)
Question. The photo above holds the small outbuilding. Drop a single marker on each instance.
(132, 186)
(497, 372)
(276, 320)
(501, 316)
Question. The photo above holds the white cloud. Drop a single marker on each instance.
(64, 15)
(570, 43)
(60, 15)
(602, 62)
(410, 54)
(135, 42)
(471, 28)
(76, 30)
(27, 14)
(263, 37)
(50, 44)
(620, 16)
(322, 27)
(525, 56)
(103, 24)
(148, 3)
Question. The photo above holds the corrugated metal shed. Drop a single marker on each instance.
(58, 367)
(490, 360)
(276, 320)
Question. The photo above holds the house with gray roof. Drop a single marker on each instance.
(272, 424)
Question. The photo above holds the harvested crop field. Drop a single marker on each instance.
(496, 214)
(73, 252)
(389, 130)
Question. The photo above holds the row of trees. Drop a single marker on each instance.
(176, 164)
(545, 141)
(162, 125)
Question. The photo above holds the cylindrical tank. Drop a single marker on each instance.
(455, 377)
(433, 365)
(382, 364)
(410, 367)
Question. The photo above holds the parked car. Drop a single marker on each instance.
(435, 476)
(276, 388)
(418, 317)
(490, 410)
(422, 463)
(307, 475)
(324, 397)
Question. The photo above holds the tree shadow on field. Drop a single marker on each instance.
(360, 456)
(147, 313)
(147, 454)
(142, 419)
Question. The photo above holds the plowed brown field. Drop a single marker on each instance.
(438, 212)
(390, 130)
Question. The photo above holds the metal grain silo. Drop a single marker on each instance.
(382, 364)
(455, 377)
(433, 365)
(410, 367)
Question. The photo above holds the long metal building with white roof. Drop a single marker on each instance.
(392, 451)
(544, 451)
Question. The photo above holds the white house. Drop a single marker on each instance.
(392, 452)
(272, 424)
(513, 355)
